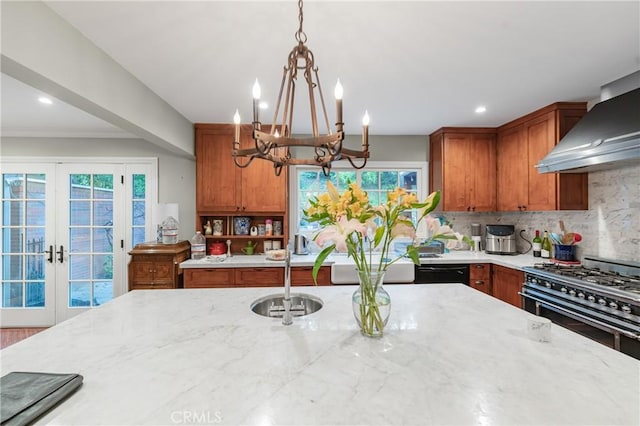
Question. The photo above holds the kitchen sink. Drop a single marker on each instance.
(273, 305)
(343, 270)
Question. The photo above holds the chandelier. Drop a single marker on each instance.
(274, 145)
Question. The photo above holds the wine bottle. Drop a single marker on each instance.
(537, 245)
(545, 248)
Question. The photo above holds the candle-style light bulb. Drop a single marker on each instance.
(365, 119)
(256, 105)
(256, 90)
(236, 138)
(365, 131)
(338, 92)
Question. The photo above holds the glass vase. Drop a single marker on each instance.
(371, 303)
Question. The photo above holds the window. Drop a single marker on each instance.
(377, 179)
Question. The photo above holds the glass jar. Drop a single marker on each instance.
(170, 231)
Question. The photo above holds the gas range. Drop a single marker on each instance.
(603, 294)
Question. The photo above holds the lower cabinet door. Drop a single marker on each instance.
(259, 277)
(303, 275)
(209, 278)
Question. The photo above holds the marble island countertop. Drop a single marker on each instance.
(450, 355)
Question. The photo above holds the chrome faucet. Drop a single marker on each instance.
(287, 318)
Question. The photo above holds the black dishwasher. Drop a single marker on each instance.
(435, 273)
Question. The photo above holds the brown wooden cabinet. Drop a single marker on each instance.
(480, 277)
(252, 277)
(521, 145)
(155, 265)
(303, 275)
(507, 283)
(233, 277)
(222, 187)
(463, 168)
(224, 190)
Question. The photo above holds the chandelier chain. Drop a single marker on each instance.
(301, 37)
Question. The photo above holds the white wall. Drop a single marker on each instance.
(176, 180)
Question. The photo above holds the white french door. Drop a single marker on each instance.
(28, 239)
(66, 231)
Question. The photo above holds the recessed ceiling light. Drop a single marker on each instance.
(481, 109)
(45, 100)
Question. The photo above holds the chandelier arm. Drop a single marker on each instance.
(308, 76)
(324, 109)
(277, 109)
(242, 166)
(355, 154)
(364, 163)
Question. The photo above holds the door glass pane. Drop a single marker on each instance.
(139, 187)
(103, 240)
(91, 259)
(102, 213)
(35, 213)
(79, 294)
(102, 266)
(12, 186)
(80, 240)
(79, 213)
(138, 210)
(11, 295)
(34, 265)
(80, 188)
(79, 266)
(103, 186)
(23, 242)
(13, 213)
(35, 295)
(102, 292)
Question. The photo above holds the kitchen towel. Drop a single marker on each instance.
(25, 396)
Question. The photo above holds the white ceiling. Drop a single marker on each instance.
(415, 66)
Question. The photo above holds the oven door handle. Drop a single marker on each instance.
(591, 321)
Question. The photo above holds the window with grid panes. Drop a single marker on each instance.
(376, 179)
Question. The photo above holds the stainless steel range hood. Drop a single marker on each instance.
(608, 136)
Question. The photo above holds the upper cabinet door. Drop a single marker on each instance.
(463, 167)
(512, 170)
(540, 133)
(223, 187)
(262, 190)
(217, 177)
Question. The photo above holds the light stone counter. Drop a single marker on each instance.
(251, 261)
(516, 262)
(450, 355)
(260, 261)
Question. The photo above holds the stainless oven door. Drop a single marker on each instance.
(625, 341)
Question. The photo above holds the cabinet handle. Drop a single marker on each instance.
(479, 266)
(468, 208)
(473, 208)
(479, 282)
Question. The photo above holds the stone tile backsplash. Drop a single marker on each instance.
(610, 228)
